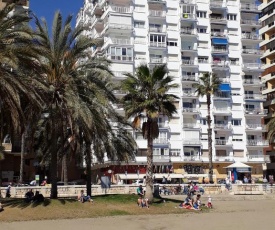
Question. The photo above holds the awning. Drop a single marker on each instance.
(238, 165)
(134, 176)
(219, 41)
(225, 88)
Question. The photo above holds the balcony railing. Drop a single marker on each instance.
(188, 16)
(189, 93)
(219, 49)
(161, 141)
(221, 64)
(161, 157)
(192, 142)
(221, 95)
(250, 22)
(218, 34)
(187, 31)
(265, 158)
(191, 125)
(257, 143)
(256, 126)
(217, 4)
(188, 62)
(222, 110)
(250, 7)
(189, 78)
(121, 41)
(121, 58)
(156, 29)
(190, 110)
(222, 126)
(251, 81)
(222, 20)
(256, 111)
(188, 1)
(121, 9)
(223, 158)
(156, 13)
(252, 65)
(255, 96)
(158, 44)
(222, 142)
(156, 60)
(252, 51)
(119, 26)
(251, 36)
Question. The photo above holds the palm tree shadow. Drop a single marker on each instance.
(21, 203)
(67, 200)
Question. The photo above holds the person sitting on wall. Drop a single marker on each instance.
(29, 195)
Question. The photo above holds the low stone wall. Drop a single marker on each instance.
(74, 190)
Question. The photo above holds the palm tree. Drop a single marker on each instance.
(209, 85)
(147, 93)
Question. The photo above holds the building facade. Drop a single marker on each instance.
(267, 32)
(192, 37)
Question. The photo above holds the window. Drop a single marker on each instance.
(138, 24)
(172, 43)
(232, 17)
(235, 91)
(203, 121)
(203, 59)
(123, 54)
(236, 122)
(175, 152)
(157, 40)
(248, 106)
(201, 30)
(201, 14)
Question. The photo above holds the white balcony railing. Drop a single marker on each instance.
(223, 158)
(156, 60)
(161, 141)
(257, 143)
(187, 31)
(222, 110)
(219, 49)
(253, 157)
(118, 26)
(121, 41)
(251, 81)
(189, 78)
(256, 111)
(190, 110)
(189, 93)
(191, 125)
(218, 34)
(192, 142)
(256, 126)
(255, 96)
(158, 44)
(252, 51)
(121, 9)
(222, 142)
(220, 64)
(252, 65)
(121, 58)
(188, 62)
(218, 19)
(188, 16)
(157, 29)
(156, 13)
(250, 22)
(251, 36)
(222, 126)
(250, 7)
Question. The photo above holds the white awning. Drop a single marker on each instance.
(238, 165)
(134, 176)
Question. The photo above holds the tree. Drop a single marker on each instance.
(209, 85)
(147, 93)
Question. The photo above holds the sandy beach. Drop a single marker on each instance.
(243, 214)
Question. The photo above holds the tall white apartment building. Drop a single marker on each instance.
(192, 37)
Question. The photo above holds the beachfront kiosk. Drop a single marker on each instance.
(237, 171)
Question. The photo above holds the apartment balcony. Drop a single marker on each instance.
(251, 37)
(252, 82)
(252, 52)
(157, 29)
(226, 111)
(219, 50)
(256, 97)
(191, 126)
(258, 158)
(157, 60)
(222, 143)
(220, 65)
(192, 142)
(120, 58)
(188, 2)
(116, 27)
(189, 94)
(222, 96)
(189, 49)
(255, 112)
(188, 32)
(189, 17)
(189, 63)
(257, 143)
(218, 34)
(252, 67)
(268, 77)
(161, 158)
(223, 127)
(255, 128)
(251, 23)
(161, 141)
(121, 9)
(159, 45)
(250, 8)
(224, 158)
(218, 20)
(217, 4)
(116, 41)
(157, 14)
(188, 110)
(157, 1)
(189, 78)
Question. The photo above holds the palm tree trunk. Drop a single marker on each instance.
(149, 172)
(88, 159)
(22, 159)
(209, 131)
(53, 161)
(65, 168)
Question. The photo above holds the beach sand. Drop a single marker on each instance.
(241, 215)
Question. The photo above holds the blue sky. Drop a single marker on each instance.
(47, 8)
